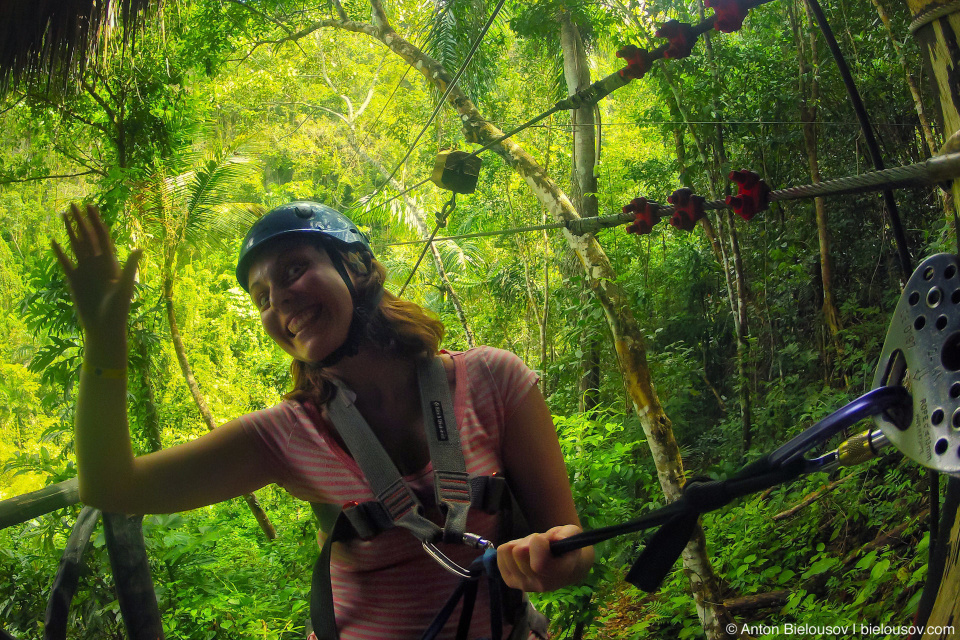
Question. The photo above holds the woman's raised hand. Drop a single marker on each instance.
(101, 289)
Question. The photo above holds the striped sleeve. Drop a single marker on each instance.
(272, 428)
(512, 378)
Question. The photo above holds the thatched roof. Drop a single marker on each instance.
(53, 39)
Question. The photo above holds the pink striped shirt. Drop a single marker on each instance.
(388, 588)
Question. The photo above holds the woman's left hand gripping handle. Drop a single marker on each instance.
(101, 289)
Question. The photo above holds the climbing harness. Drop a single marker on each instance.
(396, 505)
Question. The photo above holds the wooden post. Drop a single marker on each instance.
(131, 573)
(936, 26)
(68, 576)
(36, 503)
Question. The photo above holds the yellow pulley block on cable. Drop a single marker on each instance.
(456, 171)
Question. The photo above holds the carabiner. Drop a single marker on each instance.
(469, 539)
(893, 401)
(446, 210)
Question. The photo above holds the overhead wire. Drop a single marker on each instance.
(934, 171)
(433, 29)
(440, 103)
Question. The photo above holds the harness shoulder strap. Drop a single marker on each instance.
(381, 473)
(450, 479)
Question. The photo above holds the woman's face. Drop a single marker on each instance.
(304, 305)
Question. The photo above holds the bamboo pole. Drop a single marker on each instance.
(37, 503)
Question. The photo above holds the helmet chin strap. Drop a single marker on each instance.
(362, 311)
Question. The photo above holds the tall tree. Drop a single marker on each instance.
(628, 339)
(191, 209)
(583, 181)
(809, 81)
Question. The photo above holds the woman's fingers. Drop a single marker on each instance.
(102, 234)
(62, 258)
(88, 235)
(528, 563)
(129, 273)
(75, 245)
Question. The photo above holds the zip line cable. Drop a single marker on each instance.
(934, 171)
(440, 102)
(585, 97)
(433, 30)
(869, 137)
(450, 205)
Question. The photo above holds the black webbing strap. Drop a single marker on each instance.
(702, 496)
(678, 519)
(450, 479)
(321, 589)
(466, 591)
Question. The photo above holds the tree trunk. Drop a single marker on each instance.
(928, 136)
(602, 280)
(202, 406)
(740, 317)
(31, 505)
(938, 41)
(151, 418)
(810, 98)
(527, 276)
(933, 146)
(583, 190)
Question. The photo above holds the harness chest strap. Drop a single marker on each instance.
(394, 498)
(443, 438)
(450, 477)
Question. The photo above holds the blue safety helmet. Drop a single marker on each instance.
(328, 226)
(301, 218)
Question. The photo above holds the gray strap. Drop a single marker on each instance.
(380, 472)
(449, 468)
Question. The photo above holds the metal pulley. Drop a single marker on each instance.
(922, 353)
(456, 171)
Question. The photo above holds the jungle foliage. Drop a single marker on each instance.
(210, 86)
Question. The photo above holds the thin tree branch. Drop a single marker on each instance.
(100, 101)
(51, 177)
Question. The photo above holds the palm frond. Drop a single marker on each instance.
(219, 225)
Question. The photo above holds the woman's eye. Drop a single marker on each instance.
(262, 301)
(294, 271)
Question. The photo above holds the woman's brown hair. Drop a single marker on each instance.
(398, 327)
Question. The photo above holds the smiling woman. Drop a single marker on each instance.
(419, 439)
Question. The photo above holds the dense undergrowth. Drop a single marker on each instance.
(218, 577)
(201, 66)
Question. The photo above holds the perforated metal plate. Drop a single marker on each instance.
(922, 353)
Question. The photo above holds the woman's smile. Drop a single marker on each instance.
(305, 307)
(301, 319)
